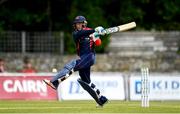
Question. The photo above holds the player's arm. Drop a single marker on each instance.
(78, 34)
(81, 33)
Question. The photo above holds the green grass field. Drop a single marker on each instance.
(86, 107)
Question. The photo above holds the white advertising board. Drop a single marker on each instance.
(161, 87)
(111, 85)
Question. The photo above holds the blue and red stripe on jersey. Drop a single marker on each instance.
(84, 44)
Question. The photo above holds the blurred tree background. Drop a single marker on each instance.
(57, 15)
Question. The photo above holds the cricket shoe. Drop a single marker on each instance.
(48, 82)
(103, 100)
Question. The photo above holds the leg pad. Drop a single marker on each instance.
(91, 91)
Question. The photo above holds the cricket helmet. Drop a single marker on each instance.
(80, 19)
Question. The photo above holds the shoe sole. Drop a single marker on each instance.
(49, 85)
(101, 106)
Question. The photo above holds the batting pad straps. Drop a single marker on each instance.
(66, 76)
(93, 86)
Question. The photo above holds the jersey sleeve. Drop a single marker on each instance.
(81, 33)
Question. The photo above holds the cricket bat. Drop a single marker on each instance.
(120, 28)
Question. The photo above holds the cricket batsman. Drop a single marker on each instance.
(85, 39)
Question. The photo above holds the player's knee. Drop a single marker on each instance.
(70, 65)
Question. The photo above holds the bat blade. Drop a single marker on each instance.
(126, 26)
(121, 28)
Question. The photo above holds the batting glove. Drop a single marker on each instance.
(100, 30)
